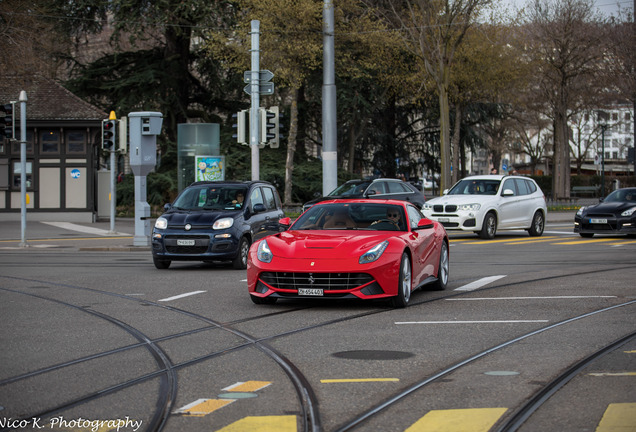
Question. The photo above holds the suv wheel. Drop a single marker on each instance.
(161, 264)
(240, 262)
(488, 226)
(538, 224)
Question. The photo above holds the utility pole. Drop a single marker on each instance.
(255, 99)
(329, 123)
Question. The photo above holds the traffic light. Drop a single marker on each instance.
(270, 126)
(6, 121)
(108, 134)
(242, 127)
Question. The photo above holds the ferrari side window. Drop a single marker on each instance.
(414, 216)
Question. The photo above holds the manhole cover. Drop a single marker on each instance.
(373, 355)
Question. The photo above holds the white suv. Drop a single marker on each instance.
(484, 204)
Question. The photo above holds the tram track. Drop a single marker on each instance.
(304, 391)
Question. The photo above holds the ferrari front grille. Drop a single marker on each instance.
(325, 281)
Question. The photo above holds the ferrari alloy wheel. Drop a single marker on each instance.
(489, 226)
(404, 284)
(443, 269)
(240, 262)
(538, 223)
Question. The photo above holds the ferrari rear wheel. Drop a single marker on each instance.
(404, 284)
(443, 269)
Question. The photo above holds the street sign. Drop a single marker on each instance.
(264, 88)
(263, 76)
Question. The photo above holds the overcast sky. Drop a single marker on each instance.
(607, 7)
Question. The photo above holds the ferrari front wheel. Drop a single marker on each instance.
(404, 284)
(442, 269)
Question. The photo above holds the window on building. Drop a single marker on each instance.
(49, 142)
(17, 175)
(15, 145)
(76, 142)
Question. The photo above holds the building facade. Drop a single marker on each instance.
(63, 136)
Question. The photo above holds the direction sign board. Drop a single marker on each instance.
(264, 88)
(263, 76)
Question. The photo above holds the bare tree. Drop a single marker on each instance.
(566, 41)
(433, 30)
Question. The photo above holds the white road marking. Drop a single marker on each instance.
(81, 228)
(181, 296)
(528, 298)
(474, 322)
(479, 283)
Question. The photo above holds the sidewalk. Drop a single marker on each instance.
(81, 236)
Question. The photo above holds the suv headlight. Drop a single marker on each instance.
(161, 223)
(427, 207)
(374, 253)
(468, 207)
(629, 212)
(223, 223)
(263, 253)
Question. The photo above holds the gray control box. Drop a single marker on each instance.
(143, 128)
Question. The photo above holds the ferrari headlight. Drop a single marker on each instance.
(223, 223)
(468, 207)
(374, 253)
(161, 223)
(629, 212)
(580, 211)
(263, 253)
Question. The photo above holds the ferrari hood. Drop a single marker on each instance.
(308, 244)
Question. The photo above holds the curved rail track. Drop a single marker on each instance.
(310, 414)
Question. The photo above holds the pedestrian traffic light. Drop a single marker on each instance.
(242, 127)
(270, 126)
(6, 121)
(108, 134)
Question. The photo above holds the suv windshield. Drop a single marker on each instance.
(475, 187)
(347, 189)
(211, 197)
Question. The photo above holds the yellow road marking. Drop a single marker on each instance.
(514, 240)
(358, 380)
(262, 424)
(576, 242)
(247, 386)
(630, 352)
(203, 407)
(458, 420)
(618, 417)
(613, 374)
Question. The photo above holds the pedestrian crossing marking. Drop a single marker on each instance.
(458, 420)
(286, 423)
(551, 240)
(203, 407)
(247, 386)
(618, 417)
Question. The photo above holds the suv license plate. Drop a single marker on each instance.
(183, 242)
(443, 219)
(598, 221)
(310, 291)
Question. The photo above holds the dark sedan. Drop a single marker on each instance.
(616, 214)
(381, 188)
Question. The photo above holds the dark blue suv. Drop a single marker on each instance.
(216, 221)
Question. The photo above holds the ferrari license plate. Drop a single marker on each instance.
(310, 291)
(598, 221)
(185, 242)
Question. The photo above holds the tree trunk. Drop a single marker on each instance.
(291, 147)
(455, 172)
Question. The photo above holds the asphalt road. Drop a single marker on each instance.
(92, 332)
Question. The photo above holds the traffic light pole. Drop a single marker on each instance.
(23, 171)
(255, 99)
(113, 176)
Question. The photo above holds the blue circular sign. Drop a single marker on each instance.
(75, 173)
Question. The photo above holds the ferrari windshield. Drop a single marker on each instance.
(350, 189)
(475, 187)
(352, 216)
(622, 195)
(211, 197)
